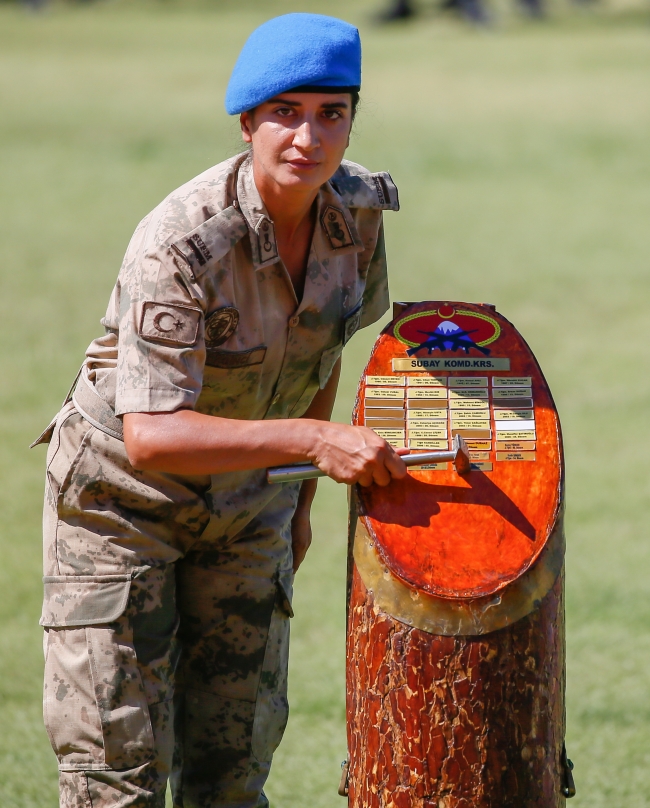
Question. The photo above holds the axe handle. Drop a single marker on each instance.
(306, 471)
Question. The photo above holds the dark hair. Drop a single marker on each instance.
(355, 103)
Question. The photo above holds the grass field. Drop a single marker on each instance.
(523, 161)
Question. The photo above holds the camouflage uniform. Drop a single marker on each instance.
(167, 597)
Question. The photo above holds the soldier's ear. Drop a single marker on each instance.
(246, 123)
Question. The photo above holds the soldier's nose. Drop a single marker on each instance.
(305, 137)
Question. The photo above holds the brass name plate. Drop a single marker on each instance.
(516, 455)
(423, 434)
(469, 404)
(511, 392)
(394, 434)
(479, 444)
(394, 381)
(462, 393)
(443, 363)
(470, 415)
(468, 381)
(385, 392)
(427, 381)
(386, 412)
(516, 445)
(383, 423)
(427, 415)
(515, 435)
(502, 425)
(479, 456)
(465, 432)
(470, 425)
(423, 443)
(373, 403)
(427, 403)
(426, 392)
(514, 415)
(514, 403)
(440, 433)
(481, 466)
(512, 381)
(432, 467)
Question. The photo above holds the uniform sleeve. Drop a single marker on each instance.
(375, 296)
(161, 350)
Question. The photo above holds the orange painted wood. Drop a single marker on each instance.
(468, 536)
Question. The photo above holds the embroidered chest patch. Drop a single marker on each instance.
(220, 325)
(336, 228)
(164, 322)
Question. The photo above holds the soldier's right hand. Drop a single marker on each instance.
(356, 454)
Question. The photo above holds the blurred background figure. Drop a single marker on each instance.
(34, 5)
(473, 11)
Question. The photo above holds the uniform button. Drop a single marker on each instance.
(293, 322)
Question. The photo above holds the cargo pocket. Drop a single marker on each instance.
(94, 703)
(272, 705)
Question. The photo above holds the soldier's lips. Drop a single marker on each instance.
(302, 165)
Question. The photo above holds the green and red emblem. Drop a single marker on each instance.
(447, 329)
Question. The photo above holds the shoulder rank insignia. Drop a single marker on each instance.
(336, 228)
(220, 325)
(371, 191)
(209, 242)
(266, 243)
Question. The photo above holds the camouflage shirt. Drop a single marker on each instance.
(204, 314)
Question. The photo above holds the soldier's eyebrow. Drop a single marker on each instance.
(279, 100)
(327, 105)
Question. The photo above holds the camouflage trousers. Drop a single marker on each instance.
(165, 653)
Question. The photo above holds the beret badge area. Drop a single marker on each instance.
(220, 325)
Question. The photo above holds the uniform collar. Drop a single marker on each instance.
(261, 230)
(335, 232)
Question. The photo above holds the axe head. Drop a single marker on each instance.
(461, 456)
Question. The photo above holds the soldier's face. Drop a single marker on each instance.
(299, 139)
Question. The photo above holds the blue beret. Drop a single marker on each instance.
(308, 52)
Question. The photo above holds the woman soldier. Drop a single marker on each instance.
(168, 558)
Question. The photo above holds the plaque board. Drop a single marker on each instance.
(442, 369)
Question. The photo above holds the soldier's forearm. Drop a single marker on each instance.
(187, 442)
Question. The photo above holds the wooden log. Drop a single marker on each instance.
(455, 722)
(455, 653)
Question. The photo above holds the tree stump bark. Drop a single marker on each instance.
(455, 722)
